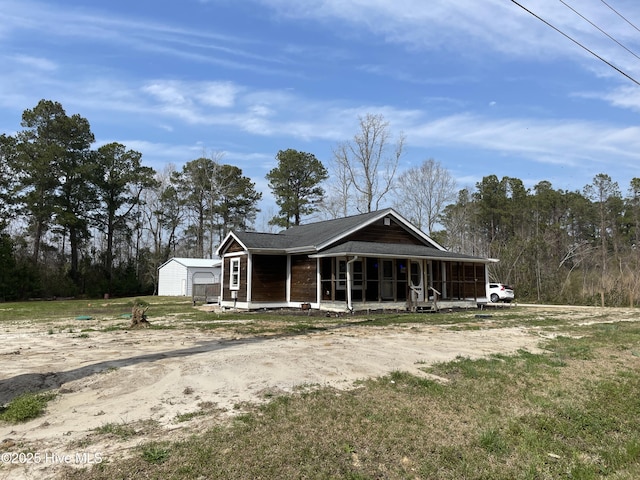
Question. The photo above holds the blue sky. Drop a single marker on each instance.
(481, 87)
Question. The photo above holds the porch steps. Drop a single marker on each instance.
(425, 307)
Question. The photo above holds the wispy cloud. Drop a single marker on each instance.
(468, 26)
(35, 63)
(570, 142)
(624, 97)
(247, 110)
(28, 17)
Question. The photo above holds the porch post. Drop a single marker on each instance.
(318, 283)
(349, 267)
(445, 293)
(410, 291)
(486, 281)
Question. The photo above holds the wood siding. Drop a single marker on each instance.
(242, 292)
(303, 279)
(269, 279)
(234, 247)
(380, 233)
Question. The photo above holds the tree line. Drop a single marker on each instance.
(75, 220)
(81, 221)
(558, 246)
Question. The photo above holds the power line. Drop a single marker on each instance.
(596, 26)
(620, 15)
(577, 43)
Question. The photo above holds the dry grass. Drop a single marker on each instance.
(571, 412)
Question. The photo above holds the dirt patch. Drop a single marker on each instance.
(155, 382)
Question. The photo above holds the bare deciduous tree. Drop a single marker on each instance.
(423, 192)
(457, 220)
(337, 200)
(370, 161)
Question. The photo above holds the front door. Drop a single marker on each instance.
(416, 281)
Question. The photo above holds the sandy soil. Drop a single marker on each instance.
(127, 377)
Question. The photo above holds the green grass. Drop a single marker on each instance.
(155, 452)
(185, 417)
(98, 309)
(120, 430)
(177, 312)
(26, 407)
(570, 412)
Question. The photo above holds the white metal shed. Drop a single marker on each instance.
(177, 276)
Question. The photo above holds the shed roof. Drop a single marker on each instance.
(194, 262)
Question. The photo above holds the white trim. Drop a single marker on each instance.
(318, 282)
(300, 250)
(249, 276)
(287, 293)
(258, 305)
(350, 282)
(193, 262)
(222, 277)
(234, 284)
(229, 236)
(418, 289)
(389, 212)
(395, 255)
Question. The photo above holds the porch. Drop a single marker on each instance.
(359, 282)
(423, 307)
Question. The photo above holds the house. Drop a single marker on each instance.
(375, 260)
(190, 277)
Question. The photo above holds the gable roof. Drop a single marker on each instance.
(318, 235)
(194, 262)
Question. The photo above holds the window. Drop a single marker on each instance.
(357, 279)
(234, 274)
(342, 274)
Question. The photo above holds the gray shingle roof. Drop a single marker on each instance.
(320, 232)
(394, 250)
(257, 240)
(310, 235)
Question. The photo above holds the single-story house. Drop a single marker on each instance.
(375, 260)
(182, 276)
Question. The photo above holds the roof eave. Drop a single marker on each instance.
(391, 255)
(225, 242)
(297, 250)
(267, 251)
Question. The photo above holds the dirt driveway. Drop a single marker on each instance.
(130, 377)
